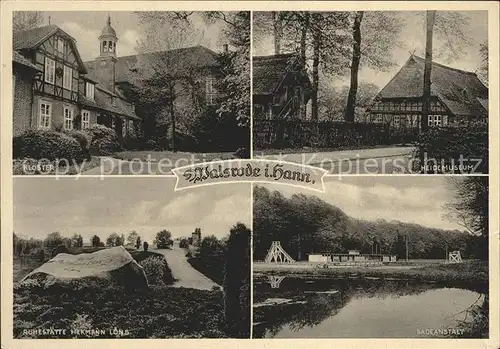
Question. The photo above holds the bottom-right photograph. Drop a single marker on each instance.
(372, 257)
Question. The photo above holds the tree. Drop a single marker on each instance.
(184, 243)
(469, 208)
(77, 240)
(482, 69)
(22, 20)
(356, 58)
(210, 246)
(145, 246)
(162, 239)
(138, 242)
(52, 240)
(426, 102)
(132, 238)
(162, 80)
(113, 239)
(95, 241)
(237, 282)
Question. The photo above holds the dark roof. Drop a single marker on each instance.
(179, 61)
(458, 89)
(102, 100)
(269, 72)
(19, 59)
(33, 37)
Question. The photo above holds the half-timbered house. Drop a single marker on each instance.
(458, 97)
(50, 77)
(281, 87)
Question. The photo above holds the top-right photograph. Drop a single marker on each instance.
(372, 92)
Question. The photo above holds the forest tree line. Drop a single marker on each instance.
(306, 224)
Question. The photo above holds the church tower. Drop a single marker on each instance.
(107, 56)
(107, 40)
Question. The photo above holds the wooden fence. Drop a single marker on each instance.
(278, 134)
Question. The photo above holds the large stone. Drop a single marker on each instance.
(114, 264)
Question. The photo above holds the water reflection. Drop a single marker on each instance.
(315, 308)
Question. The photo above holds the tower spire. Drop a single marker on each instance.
(108, 22)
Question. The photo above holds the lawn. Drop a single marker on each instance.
(29, 166)
(180, 158)
(473, 272)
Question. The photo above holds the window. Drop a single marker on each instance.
(434, 120)
(67, 77)
(210, 90)
(44, 113)
(85, 119)
(60, 45)
(89, 91)
(50, 70)
(68, 118)
(396, 121)
(379, 118)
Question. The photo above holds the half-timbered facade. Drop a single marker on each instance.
(281, 87)
(457, 98)
(195, 71)
(62, 96)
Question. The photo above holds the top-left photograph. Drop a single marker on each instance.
(128, 93)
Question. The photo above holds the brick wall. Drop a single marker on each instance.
(22, 99)
(57, 111)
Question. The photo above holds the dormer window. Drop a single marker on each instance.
(89, 91)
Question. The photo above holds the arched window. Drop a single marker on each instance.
(110, 46)
(104, 46)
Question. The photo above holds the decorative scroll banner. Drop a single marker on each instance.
(241, 170)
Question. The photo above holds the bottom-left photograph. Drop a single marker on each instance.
(130, 257)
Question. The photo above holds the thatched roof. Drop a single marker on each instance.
(461, 91)
(270, 71)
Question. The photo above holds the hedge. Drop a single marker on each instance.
(104, 140)
(47, 144)
(447, 144)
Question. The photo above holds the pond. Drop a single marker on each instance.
(359, 308)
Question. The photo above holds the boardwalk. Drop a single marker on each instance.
(183, 272)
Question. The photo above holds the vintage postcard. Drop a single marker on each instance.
(134, 263)
(276, 174)
(370, 92)
(360, 262)
(128, 92)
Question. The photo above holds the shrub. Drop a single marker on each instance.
(84, 139)
(155, 268)
(447, 144)
(104, 140)
(60, 249)
(242, 153)
(46, 144)
(145, 246)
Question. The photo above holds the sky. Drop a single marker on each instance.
(85, 28)
(92, 205)
(412, 36)
(408, 199)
